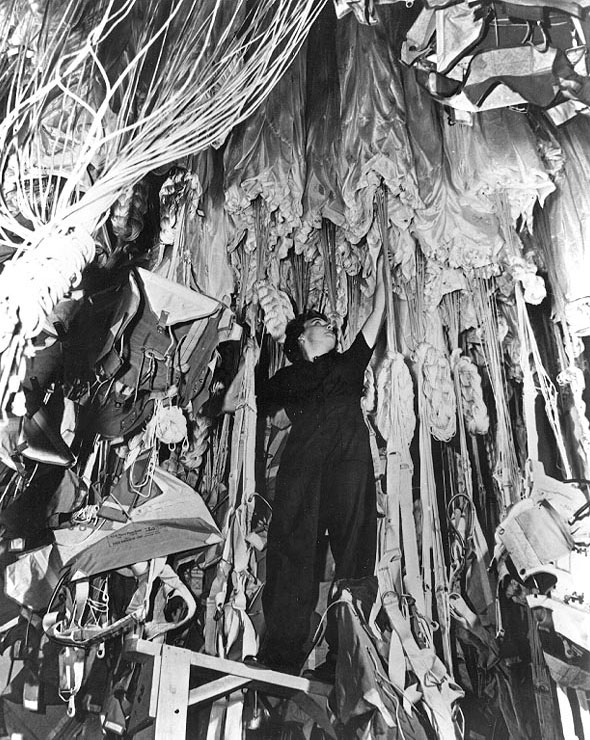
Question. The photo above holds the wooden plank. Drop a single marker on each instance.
(145, 700)
(170, 723)
(215, 689)
(139, 649)
(259, 675)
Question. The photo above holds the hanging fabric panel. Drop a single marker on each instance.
(502, 157)
(374, 140)
(322, 191)
(563, 229)
(265, 157)
(492, 176)
(207, 238)
(453, 227)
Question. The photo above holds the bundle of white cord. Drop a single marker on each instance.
(276, 307)
(179, 185)
(469, 393)
(34, 284)
(395, 416)
(369, 397)
(338, 314)
(128, 212)
(193, 457)
(170, 423)
(438, 391)
(533, 285)
(185, 77)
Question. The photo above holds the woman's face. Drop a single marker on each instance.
(318, 338)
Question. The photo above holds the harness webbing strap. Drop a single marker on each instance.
(529, 358)
(438, 690)
(434, 570)
(547, 711)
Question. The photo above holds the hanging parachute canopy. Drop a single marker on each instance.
(322, 198)
(501, 177)
(374, 143)
(450, 229)
(563, 230)
(265, 159)
(207, 238)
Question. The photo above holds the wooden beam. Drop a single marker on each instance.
(145, 701)
(139, 649)
(215, 689)
(170, 688)
(259, 675)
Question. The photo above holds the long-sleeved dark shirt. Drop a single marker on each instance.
(307, 389)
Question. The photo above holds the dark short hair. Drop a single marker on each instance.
(294, 330)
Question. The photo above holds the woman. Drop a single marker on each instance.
(325, 479)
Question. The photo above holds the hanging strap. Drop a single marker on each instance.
(572, 375)
(222, 629)
(529, 358)
(400, 504)
(71, 674)
(172, 586)
(433, 562)
(439, 691)
(419, 36)
(546, 709)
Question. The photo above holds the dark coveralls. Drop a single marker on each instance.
(325, 481)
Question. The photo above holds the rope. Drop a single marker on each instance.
(469, 394)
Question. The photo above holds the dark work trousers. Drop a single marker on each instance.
(325, 481)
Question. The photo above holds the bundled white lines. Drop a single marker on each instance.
(191, 74)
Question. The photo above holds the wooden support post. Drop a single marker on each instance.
(173, 694)
(164, 694)
(214, 689)
(145, 703)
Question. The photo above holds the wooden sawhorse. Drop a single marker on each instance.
(164, 695)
